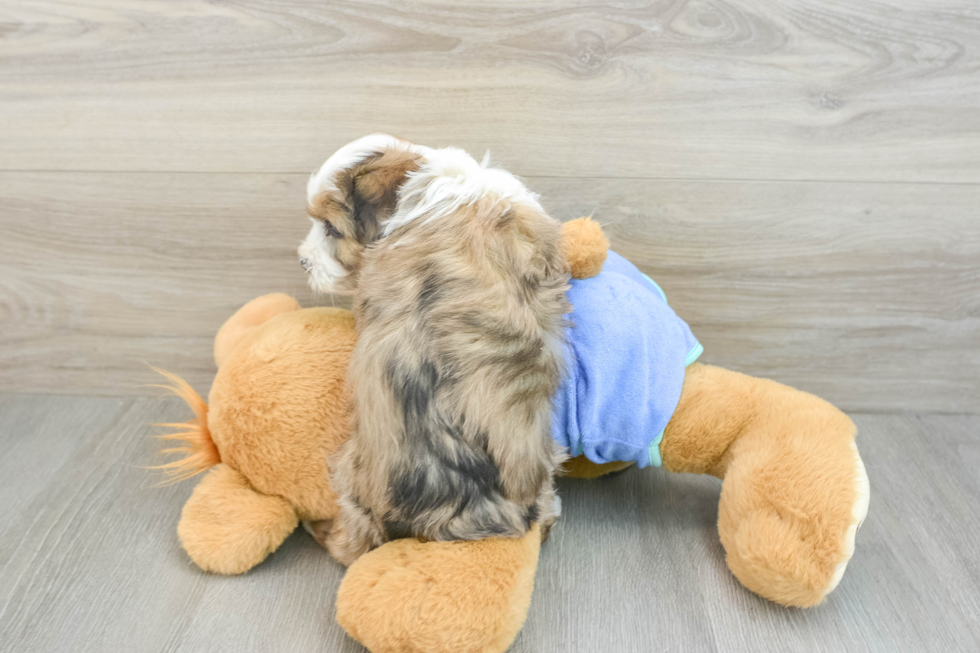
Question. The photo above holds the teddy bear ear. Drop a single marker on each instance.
(585, 247)
(258, 311)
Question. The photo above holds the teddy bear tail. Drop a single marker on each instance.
(585, 247)
(200, 452)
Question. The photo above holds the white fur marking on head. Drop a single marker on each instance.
(450, 178)
(324, 268)
(347, 156)
(319, 250)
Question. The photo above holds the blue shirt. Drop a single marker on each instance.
(627, 351)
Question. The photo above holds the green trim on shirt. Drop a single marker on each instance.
(654, 451)
(693, 354)
(659, 289)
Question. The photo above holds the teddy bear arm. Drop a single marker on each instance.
(227, 527)
(440, 597)
(794, 489)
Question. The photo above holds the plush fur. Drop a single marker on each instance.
(582, 467)
(200, 452)
(249, 402)
(274, 468)
(794, 488)
(232, 332)
(440, 597)
(585, 247)
(210, 528)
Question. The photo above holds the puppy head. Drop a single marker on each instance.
(349, 199)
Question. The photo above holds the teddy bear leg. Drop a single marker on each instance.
(440, 597)
(582, 467)
(258, 311)
(794, 491)
(227, 527)
(788, 515)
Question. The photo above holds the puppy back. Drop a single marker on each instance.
(461, 323)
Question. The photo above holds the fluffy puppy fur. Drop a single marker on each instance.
(460, 303)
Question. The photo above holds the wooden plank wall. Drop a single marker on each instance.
(802, 177)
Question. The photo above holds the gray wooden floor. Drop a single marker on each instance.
(89, 559)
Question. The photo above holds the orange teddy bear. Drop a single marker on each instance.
(794, 488)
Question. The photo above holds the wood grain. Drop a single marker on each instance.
(89, 558)
(867, 294)
(735, 89)
(802, 177)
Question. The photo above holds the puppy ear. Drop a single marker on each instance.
(370, 189)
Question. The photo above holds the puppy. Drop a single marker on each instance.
(460, 303)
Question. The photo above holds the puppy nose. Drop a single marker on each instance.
(305, 263)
